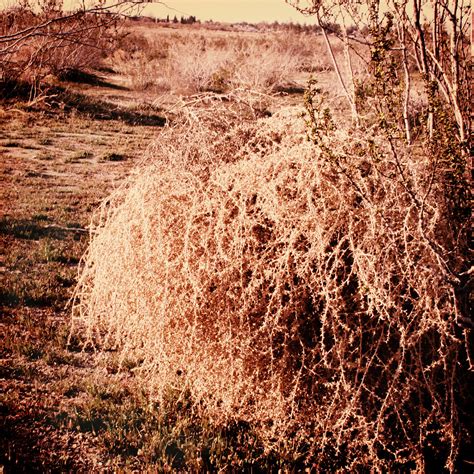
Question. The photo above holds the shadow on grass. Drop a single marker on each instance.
(62, 99)
(101, 110)
(291, 89)
(15, 90)
(30, 229)
(32, 297)
(82, 77)
(27, 450)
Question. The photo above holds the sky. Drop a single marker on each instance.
(232, 11)
(251, 11)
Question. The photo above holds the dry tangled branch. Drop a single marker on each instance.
(39, 38)
(300, 295)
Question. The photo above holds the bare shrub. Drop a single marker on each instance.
(225, 63)
(142, 61)
(302, 295)
(141, 72)
(189, 62)
(40, 38)
(266, 68)
(196, 67)
(184, 62)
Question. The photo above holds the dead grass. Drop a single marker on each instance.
(49, 184)
(190, 61)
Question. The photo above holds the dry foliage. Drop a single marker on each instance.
(277, 287)
(191, 62)
(40, 38)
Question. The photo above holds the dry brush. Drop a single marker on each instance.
(275, 286)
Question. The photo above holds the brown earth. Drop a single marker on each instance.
(57, 162)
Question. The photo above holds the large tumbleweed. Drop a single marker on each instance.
(303, 296)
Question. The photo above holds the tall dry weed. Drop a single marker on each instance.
(195, 67)
(142, 73)
(266, 68)
(189, 62)
(278, 288)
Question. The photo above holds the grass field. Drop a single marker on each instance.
(56, 167)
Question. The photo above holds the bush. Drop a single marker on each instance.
(295, 291)
(266, 69)
(39, 39)
(197, 68)
(188, 62)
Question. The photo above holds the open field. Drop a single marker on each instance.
(56, 167)
(205, 268)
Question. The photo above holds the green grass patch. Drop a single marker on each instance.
(169, 435)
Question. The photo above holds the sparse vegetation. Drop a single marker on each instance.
(192, 61)
(277, 281)
(38, 39)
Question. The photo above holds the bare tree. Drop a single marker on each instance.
(41, 37)
(430, 39)
(416, 98)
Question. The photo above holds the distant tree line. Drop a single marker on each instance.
(184, 20)
(333, 28)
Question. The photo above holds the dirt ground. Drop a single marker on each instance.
(57, 161)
